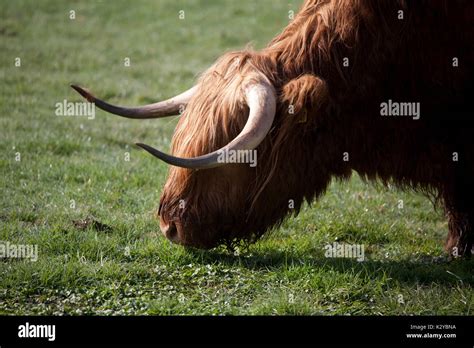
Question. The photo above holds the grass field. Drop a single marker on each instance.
(72, 169)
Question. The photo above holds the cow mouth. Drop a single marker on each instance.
(187, 235)
(206, 236)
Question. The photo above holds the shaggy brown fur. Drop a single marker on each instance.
(325, 110)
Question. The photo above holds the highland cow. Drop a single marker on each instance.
(310, 103)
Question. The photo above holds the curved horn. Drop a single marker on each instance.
(165, 108)
(261, 99)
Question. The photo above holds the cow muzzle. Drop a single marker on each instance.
(171, 232)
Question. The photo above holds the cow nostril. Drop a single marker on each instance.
(170, 231)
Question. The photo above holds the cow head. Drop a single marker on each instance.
(239, 111)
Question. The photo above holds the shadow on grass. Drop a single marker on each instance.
(425, 270)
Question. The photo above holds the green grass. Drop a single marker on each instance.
(129, 268)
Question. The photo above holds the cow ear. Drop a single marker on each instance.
(303, 94)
